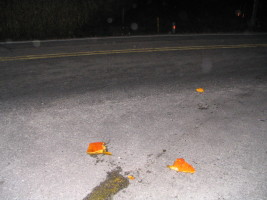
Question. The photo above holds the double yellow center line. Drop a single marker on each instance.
(121, 51)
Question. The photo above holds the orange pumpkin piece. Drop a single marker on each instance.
(180, 165)
(200, 90)
(131, 177)
(97, 148)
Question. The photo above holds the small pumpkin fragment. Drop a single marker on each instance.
(180, 165)
(97, 148)
(131, 177)
(200, 90)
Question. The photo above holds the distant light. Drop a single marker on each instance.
(238, 13)
(110, 20)
(134, 26)
(173, 27)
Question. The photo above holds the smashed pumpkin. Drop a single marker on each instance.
(200, 90)
(180, 165)
(131, 177)
(97, 148)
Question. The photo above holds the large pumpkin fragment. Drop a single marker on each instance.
(97, 148)
(180, 165)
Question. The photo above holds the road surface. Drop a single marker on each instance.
(137, 94)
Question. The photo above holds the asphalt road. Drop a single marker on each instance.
(138, 95)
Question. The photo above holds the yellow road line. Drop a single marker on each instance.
(143, 50)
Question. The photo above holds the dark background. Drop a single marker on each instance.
(50, 19)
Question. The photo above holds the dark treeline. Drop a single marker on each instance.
(50, 19)
(29, 19)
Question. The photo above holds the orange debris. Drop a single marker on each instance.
(131, 177)
(200, 90)
(180, 165)
(97, 148)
